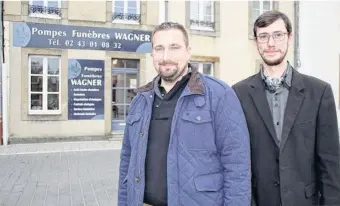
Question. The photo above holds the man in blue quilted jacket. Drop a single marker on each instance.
(186, 140)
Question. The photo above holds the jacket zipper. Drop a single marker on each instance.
(144, 142)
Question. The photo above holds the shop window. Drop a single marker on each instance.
(204, 67)
(44, 85)
(202, 15)
(124, 77)
(126, 11)
(45, 8)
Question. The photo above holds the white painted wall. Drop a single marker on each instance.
(320, 42)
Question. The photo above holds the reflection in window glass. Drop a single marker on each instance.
(38, 3)
(118, 96)
(36, 101)
(36, 83)
(125, 63)
(132, 11)
(118, 112)
(266, 5)
(118, 63)
(118, 81)
(53, 101)
(132, 4)
(207, 8)
(52, 4)
(194, 10)
(119, 3)
(36, 65)
(119, 10)
(256, 4)
(207, 18)
(132, 63)
(207, 69)
(131, 81)
(53, 66)
(53, 84)
(255, 14)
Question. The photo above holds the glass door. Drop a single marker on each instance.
(124, 80)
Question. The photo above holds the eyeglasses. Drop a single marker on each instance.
(264, 38)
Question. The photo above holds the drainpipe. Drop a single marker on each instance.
(4, 83)
(1, 68)
(166, 13)
(297, 62)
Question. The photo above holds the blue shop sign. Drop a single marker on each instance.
(85, 89)
(80, 37)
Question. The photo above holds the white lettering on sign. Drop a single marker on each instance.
(83, 104)
(132, 37)
(84, 109)
(47, 32)
(93, 69)
(91, 76)
(93, 90)
(86, 82)
(90, 34)
(79, 94)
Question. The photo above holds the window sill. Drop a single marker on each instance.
(46, 16)
(125, 22)
(201, 32)
(196, 28)
(44, 113)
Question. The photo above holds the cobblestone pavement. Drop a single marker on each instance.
(67, 173)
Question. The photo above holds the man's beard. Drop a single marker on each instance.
(276, 61)
(174, 75)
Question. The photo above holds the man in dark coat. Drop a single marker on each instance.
(293, 125)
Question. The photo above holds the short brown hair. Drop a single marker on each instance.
(172, 25)
(269, 17)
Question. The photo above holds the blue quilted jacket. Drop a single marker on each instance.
(208, 161)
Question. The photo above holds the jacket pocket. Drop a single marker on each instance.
(197, 117)
(133, 123)
(209, 182)
(196, 130)
(310, 190)
(132, 118)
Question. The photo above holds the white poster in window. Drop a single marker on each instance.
(133, 83)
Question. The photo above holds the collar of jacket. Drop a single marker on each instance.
(195, 83)
(296, 80)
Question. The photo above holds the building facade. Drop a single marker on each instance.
(73, 65)
(320, 43)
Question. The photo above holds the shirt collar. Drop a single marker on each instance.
(287, 74)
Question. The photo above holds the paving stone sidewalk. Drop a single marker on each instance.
(66, 173)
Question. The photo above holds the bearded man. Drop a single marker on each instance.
(292, 123)
(186, 140)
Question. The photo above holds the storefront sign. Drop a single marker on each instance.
(85, 89)
(79, 37)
